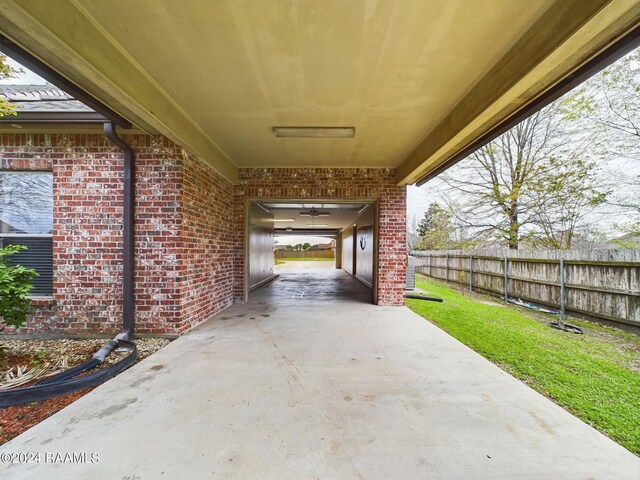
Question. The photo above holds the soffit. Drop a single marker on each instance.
(418, 79)
(391, 69)
(339, 215)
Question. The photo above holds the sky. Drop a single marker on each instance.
(604, 218)
(25, 78)
(417, 201)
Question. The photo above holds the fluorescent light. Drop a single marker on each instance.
(317, 224)
(283, 219)
(314, 132)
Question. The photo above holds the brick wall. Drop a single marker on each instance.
(183, 232)
(330, 183)
(189, 250)
(207, 241)
(158, 191)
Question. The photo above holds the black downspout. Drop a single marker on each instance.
(128, 308)
(71, 380)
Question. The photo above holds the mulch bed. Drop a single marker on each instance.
(31, 353)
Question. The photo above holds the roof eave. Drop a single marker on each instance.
(52, 117)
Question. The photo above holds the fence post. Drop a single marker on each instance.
(562, 295)
(506, 278)
(446, 271)
(471, 273)
(430, 261)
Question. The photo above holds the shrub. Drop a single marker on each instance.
(15, 285)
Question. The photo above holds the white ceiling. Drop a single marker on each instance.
(340, 215)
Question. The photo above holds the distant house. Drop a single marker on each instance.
(46, 103)
(323, 247)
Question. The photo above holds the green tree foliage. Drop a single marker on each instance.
(536, 181)
(6, 71)
(610, 101)
(565, 192)
(436, 229)
(306, 246)
(15, 285)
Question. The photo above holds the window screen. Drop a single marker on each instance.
(26, 218)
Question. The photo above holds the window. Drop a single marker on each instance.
(26, 218)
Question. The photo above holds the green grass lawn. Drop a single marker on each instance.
(595, 376)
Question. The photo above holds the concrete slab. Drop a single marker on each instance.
(297, 265)
(304, 286)
(334, 390)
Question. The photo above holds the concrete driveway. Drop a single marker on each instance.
(341, 390)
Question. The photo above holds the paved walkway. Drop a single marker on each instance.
(310, 283)
(341, 390)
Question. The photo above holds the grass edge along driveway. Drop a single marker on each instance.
(594, 376)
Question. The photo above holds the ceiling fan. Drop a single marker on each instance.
(314, 213)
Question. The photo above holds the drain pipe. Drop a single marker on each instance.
(70, 380)
(128, 312)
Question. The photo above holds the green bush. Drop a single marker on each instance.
(15, 285)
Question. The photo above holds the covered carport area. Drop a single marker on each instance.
(234, 103)
(287, 101)
(351, 273)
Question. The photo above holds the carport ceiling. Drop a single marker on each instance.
(333, 216)
(419, 80)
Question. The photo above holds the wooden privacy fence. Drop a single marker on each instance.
(602, 284)
(304, 254)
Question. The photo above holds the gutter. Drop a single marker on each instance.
(71, 380)
(54, 117)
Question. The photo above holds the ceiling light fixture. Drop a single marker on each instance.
(314, 213)
(317, 224)
(283, 219)
(314, 132)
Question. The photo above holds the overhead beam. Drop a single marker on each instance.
(566, 37)
(627, 44)
(70, 42)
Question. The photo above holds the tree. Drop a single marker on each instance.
(504, 187)
(435, 229)
(306, 246)
(611, 101)
(565, 193)
(6, 71)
